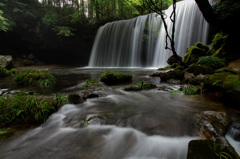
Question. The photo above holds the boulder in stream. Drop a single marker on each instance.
(167, 75)
(6, 61)
(211, 124)
(211, 149)
(75, 99)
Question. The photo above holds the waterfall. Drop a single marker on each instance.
(140, 42)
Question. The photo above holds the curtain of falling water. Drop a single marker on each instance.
(140, 42)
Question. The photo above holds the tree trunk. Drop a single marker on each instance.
(208, 12)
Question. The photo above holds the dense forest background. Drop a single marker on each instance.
(63, 31)
(60, 31)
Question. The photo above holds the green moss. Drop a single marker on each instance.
(217, 79)
(169, 67)
(4, 72)
(197, 69)
(224, 81)
(211, 61)
(175, 91)
(202, 46)
(231, 82)
(194, 52)
(90, 83)
(141, 86)
(219, 38)
(227, 69)
(34, 77)
(218, 45)
(114, 78)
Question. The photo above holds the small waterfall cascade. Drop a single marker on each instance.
(140, 42)
(233, 136)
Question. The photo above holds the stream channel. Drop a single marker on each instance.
(152, 124)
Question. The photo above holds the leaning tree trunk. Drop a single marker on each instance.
(208, 12)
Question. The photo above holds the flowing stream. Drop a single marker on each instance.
(151, 124)
(140, 42)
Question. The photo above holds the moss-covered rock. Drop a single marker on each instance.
(202, 46)
(115, 78)
(211, 61)
(141, 86)
(227, 69)
(218, 45)
(215, 81)
(194, 52)
(171, 60)
(231, 82)
(173, 74)
(197, 69)
(224, 81)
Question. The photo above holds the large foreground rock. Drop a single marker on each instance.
(211, 149)
(6, 61)
(211, 124)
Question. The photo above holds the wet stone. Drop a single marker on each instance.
(75, 99)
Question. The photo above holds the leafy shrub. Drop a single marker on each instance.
(22, 108)
(211, 61)
(90, 82)
(190, 90)
(4, 72)
(114, 78)
(34, 77)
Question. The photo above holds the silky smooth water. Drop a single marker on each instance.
(140, 42)
(121, 125)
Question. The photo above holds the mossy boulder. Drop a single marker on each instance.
(172, 59)
(173, 74)
(115, 78)
(211, 61)
(215, 82)
(141, 86)
(75, 99)
(218, 45)
(227, 69)
(231, 82)
(197, 69)
(6, 61)
(224, 81)
(194, 52)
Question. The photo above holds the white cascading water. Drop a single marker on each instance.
(140, 42)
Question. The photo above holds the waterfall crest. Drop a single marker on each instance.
(140, 42)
